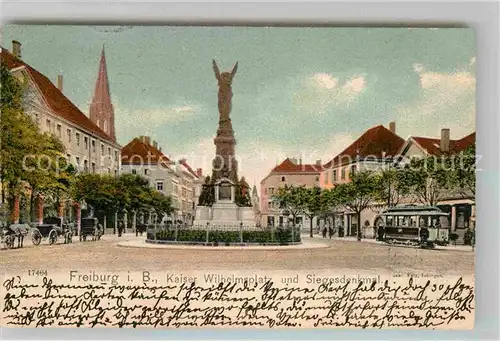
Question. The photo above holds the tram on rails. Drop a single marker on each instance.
(423, 226)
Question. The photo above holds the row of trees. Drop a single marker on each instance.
(125, 193)
(33, 163)
(425, 180)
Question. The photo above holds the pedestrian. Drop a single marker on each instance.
(324, 232)
(121, 227)
(330, 232)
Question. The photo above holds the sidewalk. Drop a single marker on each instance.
(462, 248)
(138, 242)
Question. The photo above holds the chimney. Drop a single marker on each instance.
(155, 144)
(445, 140)
(318, 162)
(392, 127)
(16, 48)
(199, 172)
(147, 140)
(300, 161)
(159, 149)
(60, 82)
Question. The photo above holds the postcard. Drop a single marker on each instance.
(237, 177)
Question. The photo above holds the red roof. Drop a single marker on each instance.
(432, 146)
(55, 99)
(138, 152)
(373, 143)
(288, 166)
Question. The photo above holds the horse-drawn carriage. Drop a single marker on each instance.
(51, 229)
(11, 232)
(90, 227)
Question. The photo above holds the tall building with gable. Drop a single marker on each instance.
(88, 147)
(101, 109)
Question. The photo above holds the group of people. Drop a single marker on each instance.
(328, 230)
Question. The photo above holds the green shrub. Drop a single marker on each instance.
(268, 236)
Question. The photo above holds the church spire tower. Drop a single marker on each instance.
(101, 109)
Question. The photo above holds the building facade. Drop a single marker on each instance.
(374, 150)
(87, 146)
(289, 172)
(178, 180)
(462, 210)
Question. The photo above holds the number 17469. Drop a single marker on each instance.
(37, 272)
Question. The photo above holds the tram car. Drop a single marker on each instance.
(11, 232)
(424, 226)
(91, 228)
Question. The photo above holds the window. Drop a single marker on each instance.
(69, 157)
(85, 166)
(342, 174)
(116, 155)
(47, 122)
(109, 151)
(68, 132)
(282, 178)
(334, 175)
(102, 149)
(269, 204)
(325, 179)
(116, 172)
(59, 134)
(271, 190)
(93, 146)
(146, 171)
(134, 171)
(353, 169)
(77, 135)
(317, 178)
(77, 162)
(86, 142)
(93, 167)
(159, 186)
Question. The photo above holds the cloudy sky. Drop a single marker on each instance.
(298, 91)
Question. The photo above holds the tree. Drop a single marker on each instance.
(357, 195)
(291, 200)
(27, 155)
(207, 195)
(426, 179)
(391, 188)
(313, 203)
(242, 194)
(463, 172)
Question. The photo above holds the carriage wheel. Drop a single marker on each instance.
(53, 237)
(9, 242)
(36, 237)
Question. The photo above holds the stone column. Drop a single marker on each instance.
(453, 218)
(39, 209)
(78, 216)
(60, 210)
(15, 210)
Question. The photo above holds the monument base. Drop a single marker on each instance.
(225, 214)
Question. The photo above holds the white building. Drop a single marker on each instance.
(143, 157)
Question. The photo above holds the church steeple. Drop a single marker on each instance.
(101, 108)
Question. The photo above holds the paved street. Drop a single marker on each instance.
(105, 254)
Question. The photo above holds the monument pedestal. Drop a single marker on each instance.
(225, 212)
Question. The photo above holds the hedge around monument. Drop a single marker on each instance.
(278, 236)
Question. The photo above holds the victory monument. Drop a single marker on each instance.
(224, 199)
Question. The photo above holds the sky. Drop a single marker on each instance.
(298, 92)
